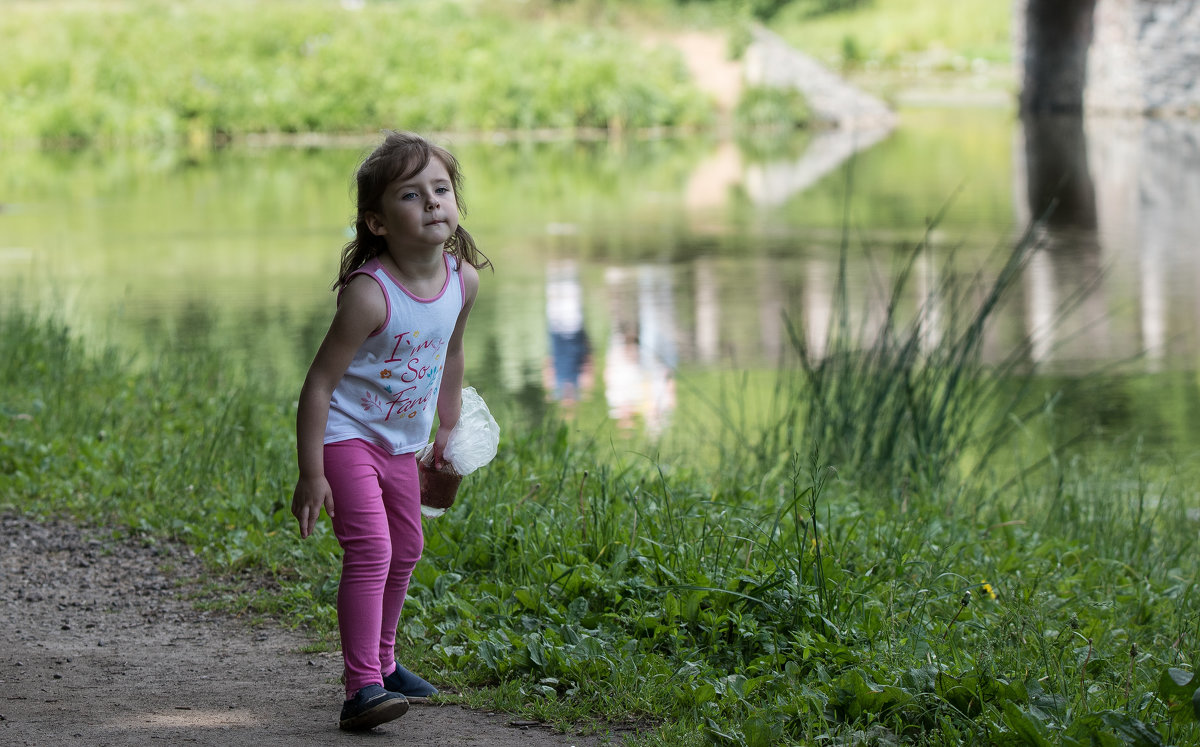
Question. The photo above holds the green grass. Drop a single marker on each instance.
(202, 72)
(893, 33)
(817, 573)
(150, 71)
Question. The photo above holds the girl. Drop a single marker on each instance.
(393, 354)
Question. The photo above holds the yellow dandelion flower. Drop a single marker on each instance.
(986, 589)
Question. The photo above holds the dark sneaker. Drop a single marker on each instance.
(370, 707)
(408, 684)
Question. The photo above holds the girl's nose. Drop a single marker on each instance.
(432, 203)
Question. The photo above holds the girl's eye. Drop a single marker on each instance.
(442, 190)
(408, 196)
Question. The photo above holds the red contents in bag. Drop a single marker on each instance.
(438, 486)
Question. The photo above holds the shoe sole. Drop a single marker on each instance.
(415, 698)
(389, 710)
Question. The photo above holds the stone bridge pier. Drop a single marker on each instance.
(1110, 135)
(1114, 56)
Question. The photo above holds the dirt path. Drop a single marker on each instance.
(706, 55)
(98, 647)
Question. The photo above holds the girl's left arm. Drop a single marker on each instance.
(449, 404)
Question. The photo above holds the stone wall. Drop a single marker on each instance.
(769, 61)
(1128, 56)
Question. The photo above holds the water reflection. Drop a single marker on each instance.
(642, 353)
(653, 257)
(569, 371)
(773, 183)
(1119, 250)
(1111, 280)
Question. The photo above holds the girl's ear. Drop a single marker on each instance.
(374, 224)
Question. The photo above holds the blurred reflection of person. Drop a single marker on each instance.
(640, 362)
(569, 372)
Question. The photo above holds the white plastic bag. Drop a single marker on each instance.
(471, 444)
(475, 438)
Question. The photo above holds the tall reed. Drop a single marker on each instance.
(903, 402)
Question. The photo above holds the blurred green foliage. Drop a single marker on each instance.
(782, 108)
(765, 10)
(919, 36)
(150, 71)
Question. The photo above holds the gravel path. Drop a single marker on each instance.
(98, 647)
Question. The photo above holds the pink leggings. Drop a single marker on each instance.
(377, 520)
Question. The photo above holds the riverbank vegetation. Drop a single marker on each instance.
(900, 34)
(146, 72)
(894, 546)
(149, 71)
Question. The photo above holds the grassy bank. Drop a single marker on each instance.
(889, 549)
(202, 72)
(149, 71)
(932, 36)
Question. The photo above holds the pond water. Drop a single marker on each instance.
(624, 267)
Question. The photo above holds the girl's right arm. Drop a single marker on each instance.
(361, 310)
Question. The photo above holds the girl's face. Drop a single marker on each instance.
(418, 211)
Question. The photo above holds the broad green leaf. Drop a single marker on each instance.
(1030, 729)
(1113, 728)
(704, 693)
(1178, 688)
(526, 598)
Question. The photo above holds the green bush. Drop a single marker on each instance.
(904, 34)
(146, 71)
(769, 107)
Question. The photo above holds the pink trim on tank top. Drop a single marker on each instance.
(387, 301)
(374, 264)
(414, 296)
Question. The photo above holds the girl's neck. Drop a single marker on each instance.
(421, 272)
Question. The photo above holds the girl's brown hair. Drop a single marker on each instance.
(401, 155)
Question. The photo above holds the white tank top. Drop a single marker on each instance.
(388, 395)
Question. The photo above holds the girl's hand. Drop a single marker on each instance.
(439, 445)
(311, 493)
